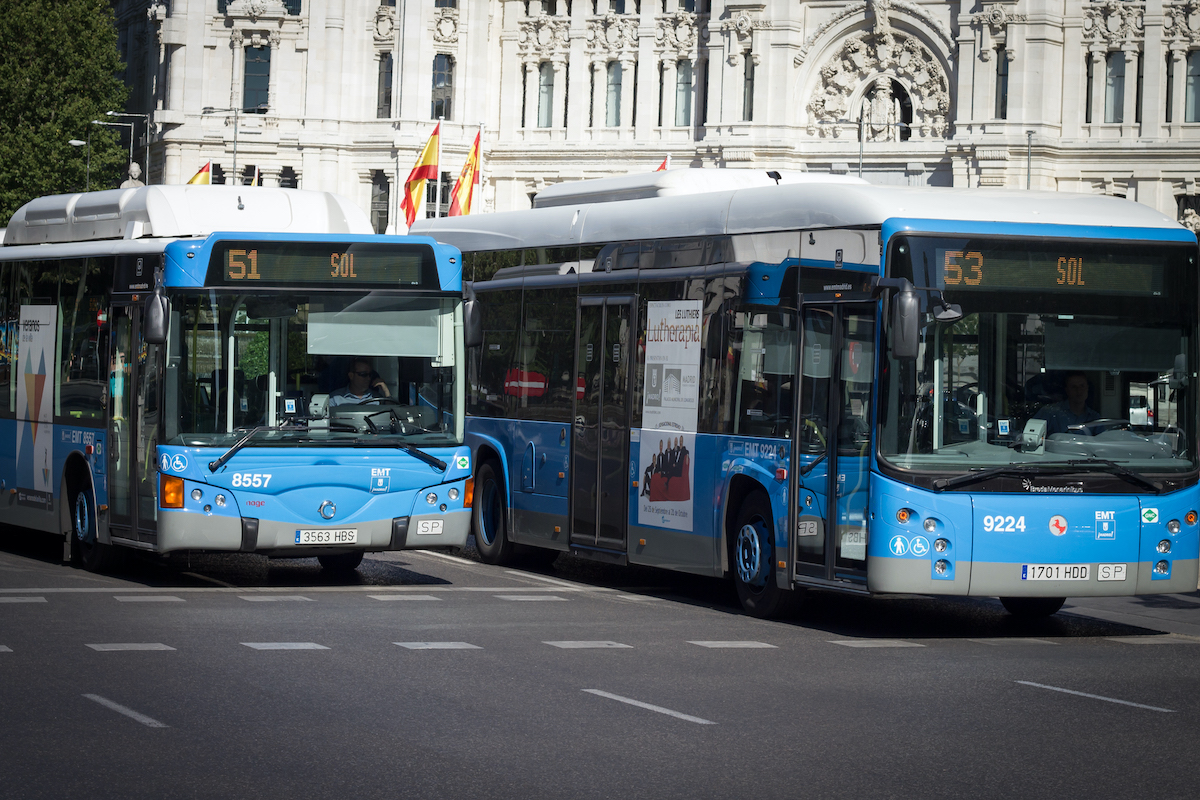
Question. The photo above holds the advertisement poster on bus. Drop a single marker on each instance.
(670, 403)
(35, 404)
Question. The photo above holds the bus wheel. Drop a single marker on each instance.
(342, 562)
(1032, 607)
(754, 561)
(90, 553)
(490, 515)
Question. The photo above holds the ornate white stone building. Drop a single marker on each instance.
(1097, 96)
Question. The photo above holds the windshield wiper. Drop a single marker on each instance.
(807, 468)
(1123, 471)
(1014, 468)
(411, 449)
(213, 466)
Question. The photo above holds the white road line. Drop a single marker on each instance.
(873, 643)
(542, 578)
(119, 646)
(1011, 640)
(447, 557)
(147, 598)
(649, 707)
(310, 589)
(588, 645)
(438, 646)
(5, 649)
(735, 645)
(22, 599)
(386, 597)
(285, 646)
(1095, 696)
(277, 598)
(149, 722)
(1153, 640)
(529, 597)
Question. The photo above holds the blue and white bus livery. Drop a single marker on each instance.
(291, 393)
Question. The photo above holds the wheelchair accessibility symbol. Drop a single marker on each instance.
(919, 546)
(176, 463)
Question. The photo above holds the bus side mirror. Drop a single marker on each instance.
(1179, 375)
(155, 316)
(906, 321)
(472, 323)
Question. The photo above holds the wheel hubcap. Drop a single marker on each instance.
(490, 513)
(83, 529)
(748, 554)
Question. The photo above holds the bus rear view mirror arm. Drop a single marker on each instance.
(472, 321)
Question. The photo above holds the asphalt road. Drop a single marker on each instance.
(432, 675)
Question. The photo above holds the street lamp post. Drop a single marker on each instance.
(88, 144)
(235, 111)
(145, 118)
(120, 125)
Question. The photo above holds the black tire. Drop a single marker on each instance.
(752, 561)
(342, 562)
(88, 551)
(489, 516)
(1032, 607)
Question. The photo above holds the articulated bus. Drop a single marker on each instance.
(174, 378)
(822, 383)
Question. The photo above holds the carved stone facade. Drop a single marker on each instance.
(1084, 96)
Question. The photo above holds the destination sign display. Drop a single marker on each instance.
(1053, 270)
(329, 264)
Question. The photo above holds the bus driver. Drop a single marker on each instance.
(1072, 411)
(364, 384)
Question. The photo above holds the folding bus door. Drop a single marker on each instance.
(122, 418)
(600, 451)
(833, 445)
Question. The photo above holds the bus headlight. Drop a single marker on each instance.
(197, 494)
(1173, 526)
(1162, 567)
(930, 524)
(431, 498)
(940, 545)
(452, 494)
(941, 567)
(1164, 546)
(220, 500)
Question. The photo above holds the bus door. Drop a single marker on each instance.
(831, 459)
(121, 516)
(132, 428)
(600, 446)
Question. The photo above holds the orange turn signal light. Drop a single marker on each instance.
(170, 491)
(903, 515)
(468, 492)
(1190, 518)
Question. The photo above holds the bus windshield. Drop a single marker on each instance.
(1068, 353)
(348, 368)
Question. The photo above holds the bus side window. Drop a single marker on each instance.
(8, 335)
(542, 378)
(765, 373)
(496, 395)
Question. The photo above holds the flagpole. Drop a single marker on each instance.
(479, 168)
(437, 174)
(398, 192)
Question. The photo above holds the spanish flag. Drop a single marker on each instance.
(461, 196)
(204, 176)
(665, 165)
(426, 168)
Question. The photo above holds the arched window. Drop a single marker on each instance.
(545, 94)
(612, 117)
(443, 86)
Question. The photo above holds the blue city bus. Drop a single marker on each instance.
(210, 368)
(814, 382)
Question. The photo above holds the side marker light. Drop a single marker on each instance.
(170, 491)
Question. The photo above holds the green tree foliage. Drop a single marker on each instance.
(59, 69)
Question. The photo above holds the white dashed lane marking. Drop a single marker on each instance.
(530, 597)
(22, 599)
(119, 646)
(1094, 696)
(874, 643)
(650, 707)
(542, 578)
(735, 645)
(588, 645)
(386, 597)
(438, 646)
(5, 649)
(147, 598)
(277, 598)
(285, 646)
(149, 722)
(1169, 639)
